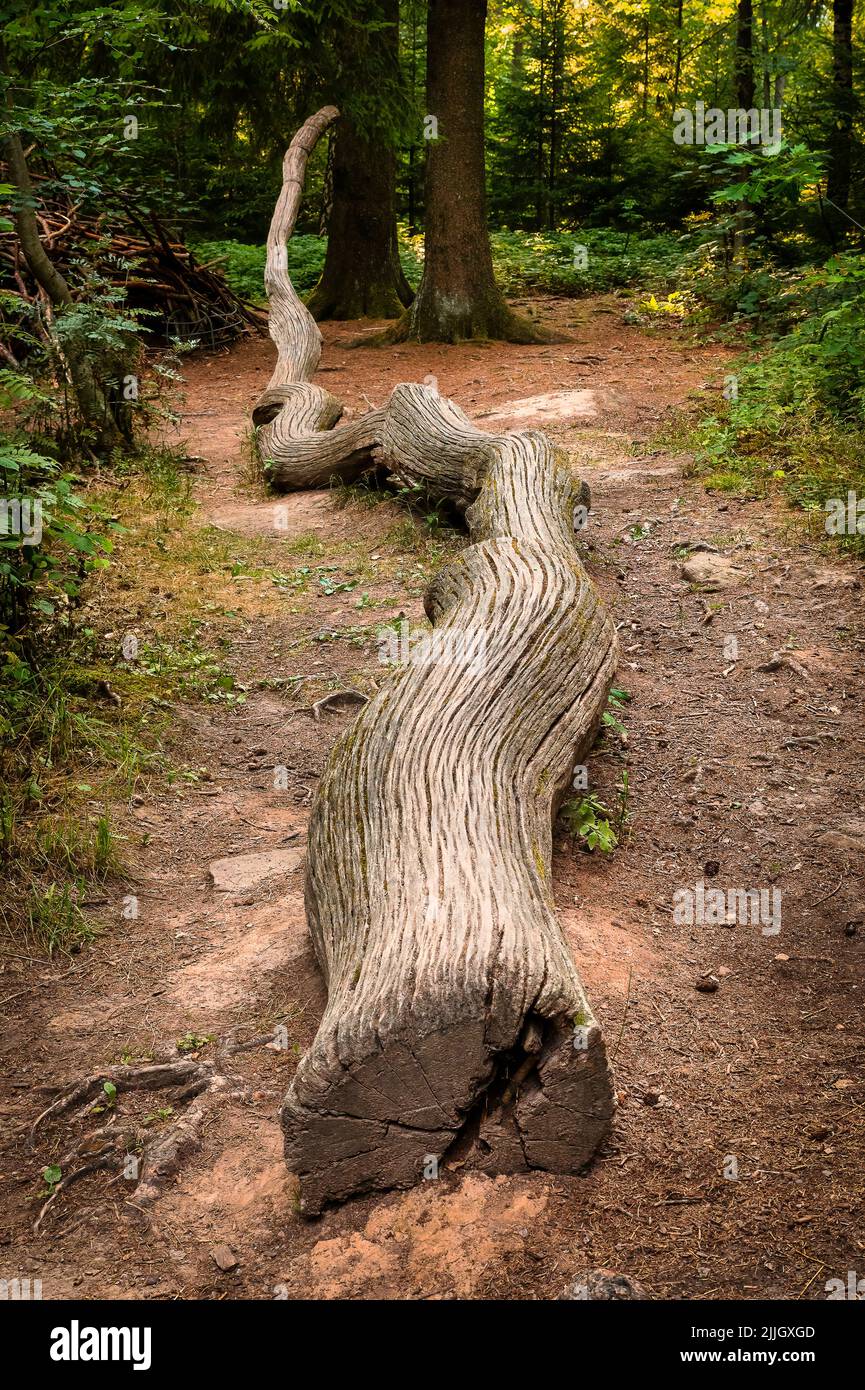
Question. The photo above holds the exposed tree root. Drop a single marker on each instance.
(135, 1154)
(124, 1078)
(504, 327)
(106, 1161)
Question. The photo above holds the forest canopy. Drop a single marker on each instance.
(579, 100)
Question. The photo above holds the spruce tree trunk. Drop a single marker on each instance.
(458, 297)
(843, 102)
(362, 275)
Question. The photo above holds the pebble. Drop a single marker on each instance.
(707, 984)
(224, 1258)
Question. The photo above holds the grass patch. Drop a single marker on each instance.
(794, 416)
(252, 471)
(84, 728)
(309, 545)
(807, 462)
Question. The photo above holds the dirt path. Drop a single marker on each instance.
(735, 1167)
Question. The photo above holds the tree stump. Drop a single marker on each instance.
(456, 1020)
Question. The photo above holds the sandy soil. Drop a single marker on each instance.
(744, 771)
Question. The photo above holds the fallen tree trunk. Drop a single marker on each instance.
(455, 1014)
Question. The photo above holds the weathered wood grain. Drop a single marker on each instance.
(455, 1016)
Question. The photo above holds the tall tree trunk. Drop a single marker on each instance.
(744, 66)
(556, 77)
(412, 215)
(412, 149)
(327, 193)
(744, 73)
(458, 297)
(539, 148)
(91, 398)
(678, 74)
(362, 275)
(843, 104)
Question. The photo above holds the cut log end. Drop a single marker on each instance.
(412, 1108)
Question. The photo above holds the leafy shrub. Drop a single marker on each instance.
(799, 412)
(48, 544)
(243, 264)
(590, 820)
(554, 263)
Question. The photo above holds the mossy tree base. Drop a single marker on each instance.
(444, 322)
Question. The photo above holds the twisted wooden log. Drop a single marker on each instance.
(455, 1015)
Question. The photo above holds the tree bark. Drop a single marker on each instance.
(539, 148)
(412, 149)
(557, 75)
(744, 65)
(843, 104)
(765, 56)
(744, 75)
(458, 297)
(455, 1014)
(429, 891)
(362, 275)
(291, 414)
(678, 72)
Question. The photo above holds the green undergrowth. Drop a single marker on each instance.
(791, 420)
(88, 679)
(580, 262)
(242, 263)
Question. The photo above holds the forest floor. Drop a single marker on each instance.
(735, 1166)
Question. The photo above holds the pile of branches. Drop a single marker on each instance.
(131, 249)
